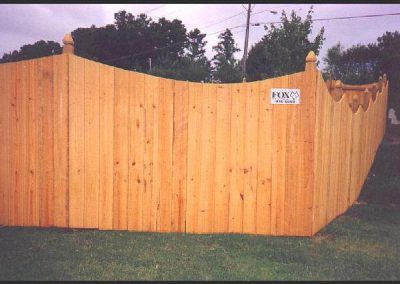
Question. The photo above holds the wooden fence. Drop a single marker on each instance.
(86, 145)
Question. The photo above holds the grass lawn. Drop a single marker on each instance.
(362, 244)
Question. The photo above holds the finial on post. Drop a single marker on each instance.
(68, 44)
(337, 91)
(338, 84)
(384, 78)
(311, 60)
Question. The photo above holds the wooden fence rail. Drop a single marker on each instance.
(86, 145)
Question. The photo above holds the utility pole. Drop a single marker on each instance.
(246, 41)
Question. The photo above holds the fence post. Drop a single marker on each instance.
(68, 44)
(308, 115)
(337, 90)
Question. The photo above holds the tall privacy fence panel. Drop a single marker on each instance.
(86, 145)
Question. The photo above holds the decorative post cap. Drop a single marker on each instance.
(338, 84)
(310, 61)
(68, 39)
(311, 57)
(68, 44)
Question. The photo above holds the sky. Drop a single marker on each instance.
(27, 23)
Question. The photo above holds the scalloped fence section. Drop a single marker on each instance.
(86, 145)
(350, 124)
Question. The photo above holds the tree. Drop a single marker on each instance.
(356, 65)
(195, 64)
(283, 48)
(98, 44)
(192, 66)
(131, 41)
(29, 51)
(361, 64)
(389, 58)
(168, 33)
(226, 67)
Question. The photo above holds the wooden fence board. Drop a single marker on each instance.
(106, 145)
(60, 118)
(165, 139)
(307, 119)
(148, 152)
(76, 141)
(222, 159)
(121, 174)
(15, 199)
(24, 147)
(179, 155)
(294, 191)
(195, 152)
(279, 123)
(209, 172)
(250, 154)
(334, 161)
(236, 153)
(91, 147)
(33, 159)
(264, 169)
(46, 142)
(136, 151)
(153, 137)
(5, 141)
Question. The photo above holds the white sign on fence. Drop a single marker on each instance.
(285, 96)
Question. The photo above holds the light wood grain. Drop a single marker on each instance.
(85, 145)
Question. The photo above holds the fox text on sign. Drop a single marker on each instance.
(285, 96)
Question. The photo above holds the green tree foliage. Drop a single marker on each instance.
(389, 63)
(195, 65)
(196, 45)
(131, 41)
(97, 44)
(361, 64)
(226, 67)
(283, 48)
(356, 65)
(192, 66)
(29, 51)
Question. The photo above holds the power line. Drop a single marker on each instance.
(213, 23)
(231, 28)
(267, 10)
(151, 10)
(161, 48)
(222, 20)
(335, 18)
(169, 14)
(254, 24)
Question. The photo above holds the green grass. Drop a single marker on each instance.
(362, 244)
